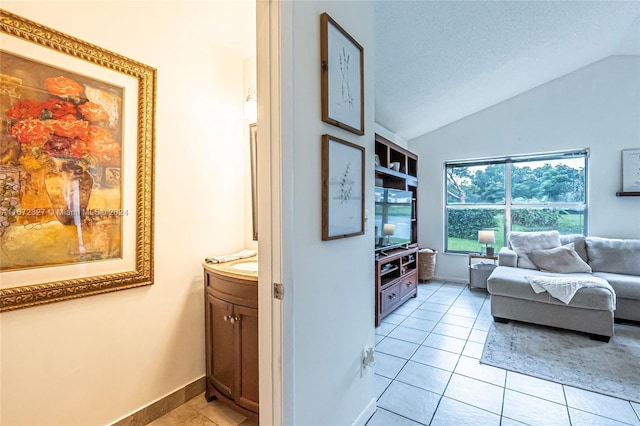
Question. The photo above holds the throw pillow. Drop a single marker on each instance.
(524, 243)
(580, 245)
(561, 260)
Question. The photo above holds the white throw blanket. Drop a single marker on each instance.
(229, 257)
(564, 288)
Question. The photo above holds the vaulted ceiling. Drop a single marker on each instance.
(439, 61)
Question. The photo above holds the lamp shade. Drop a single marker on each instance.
(486, 237)
(388, 229)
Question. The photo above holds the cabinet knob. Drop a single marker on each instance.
(233, 320)
(227, 317)
(392, 296)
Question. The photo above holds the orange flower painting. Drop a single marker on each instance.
(60, 146)
(63, 87)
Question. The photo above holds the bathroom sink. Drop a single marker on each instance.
(246, 266)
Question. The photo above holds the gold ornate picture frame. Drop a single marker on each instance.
(76, 167)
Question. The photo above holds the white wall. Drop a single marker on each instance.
(596, 107)
(249, 80)
(329, 301)
(388, 134)
(97, 359)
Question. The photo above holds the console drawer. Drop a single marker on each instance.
(390, 298)
(408, 284)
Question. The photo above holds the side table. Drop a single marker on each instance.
(479, 272)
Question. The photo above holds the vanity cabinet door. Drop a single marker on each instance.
(220, 345)
(246, 391)
(231, 328)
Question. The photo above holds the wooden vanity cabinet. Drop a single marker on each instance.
(231, 328)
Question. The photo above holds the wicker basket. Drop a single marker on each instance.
(426, 263)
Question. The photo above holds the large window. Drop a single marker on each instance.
(526, 193)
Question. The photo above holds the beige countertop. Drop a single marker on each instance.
(242, 269)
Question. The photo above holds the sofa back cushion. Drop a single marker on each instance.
(578, 244)
(524, 243)
(621, 256)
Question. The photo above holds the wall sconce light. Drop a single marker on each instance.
(251, 106)
(487, 237)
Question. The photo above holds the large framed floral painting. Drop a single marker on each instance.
(76, 167)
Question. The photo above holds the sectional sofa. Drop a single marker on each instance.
(535, 256)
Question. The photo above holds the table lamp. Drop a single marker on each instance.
(487, 237)
(387, 230)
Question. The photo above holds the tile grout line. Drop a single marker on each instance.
(405, 417)
(566, 401)
(459, 295)
(454, 367)
(458, 360)
(405, 363)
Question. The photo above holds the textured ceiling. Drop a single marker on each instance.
(439, 61)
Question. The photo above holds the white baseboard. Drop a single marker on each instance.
(366, 414)
(455, 280)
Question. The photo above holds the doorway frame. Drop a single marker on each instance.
(273, 156)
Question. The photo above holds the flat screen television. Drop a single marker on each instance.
(394, 210)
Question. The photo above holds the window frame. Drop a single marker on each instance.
(508, 205)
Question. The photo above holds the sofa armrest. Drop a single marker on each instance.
(507, 257)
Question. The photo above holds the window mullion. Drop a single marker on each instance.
(507, 199)
(565, 206)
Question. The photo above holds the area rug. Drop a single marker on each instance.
(568, 357)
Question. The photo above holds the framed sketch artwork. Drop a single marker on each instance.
(631, 170)
(342, 189)
(342, 62)
(76, 167)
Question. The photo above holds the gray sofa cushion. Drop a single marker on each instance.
(524, 243)
(614, 255)
(625, 286)
(511, 282)
(562, 260)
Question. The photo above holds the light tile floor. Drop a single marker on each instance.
(428, 372)
(199, 412)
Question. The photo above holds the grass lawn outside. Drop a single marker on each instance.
(571, 223)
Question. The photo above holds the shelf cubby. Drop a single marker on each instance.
(395, 286)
